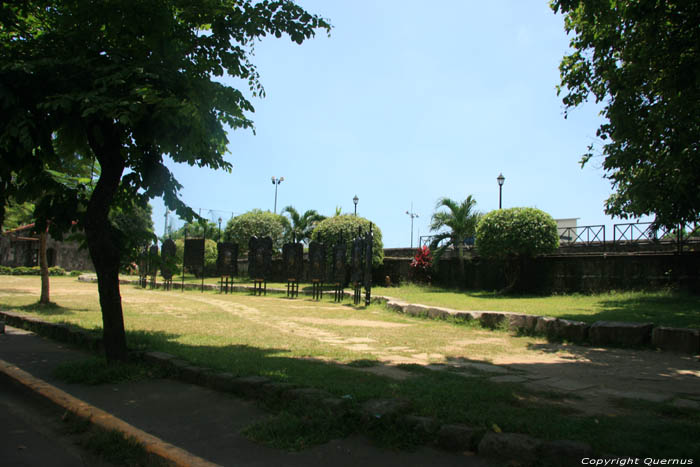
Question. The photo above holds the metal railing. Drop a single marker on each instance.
(585, 234)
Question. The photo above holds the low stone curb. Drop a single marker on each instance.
(457, 437)
(601, 333)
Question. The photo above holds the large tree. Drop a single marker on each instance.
(641, 59)
(128, 83)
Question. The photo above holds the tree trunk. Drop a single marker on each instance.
(44, 267)
(105, 142)
(460, 256)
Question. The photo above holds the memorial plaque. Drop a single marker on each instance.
(293, 256)
(153, 260)
(259, 257)
(193, 257)
(317, 261)
(167, 257)
(339, 252)
(227, 259)
(357, 260)
(367, 279)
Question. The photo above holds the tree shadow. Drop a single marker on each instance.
(46, 309)
(674, 311)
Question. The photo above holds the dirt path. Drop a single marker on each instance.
(588, 378)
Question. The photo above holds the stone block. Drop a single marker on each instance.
(438, 313)
(463, 315)
(375, 409)
(572, 331)
(416, 310)
(250, 386)
(546, 326)
(620, 333)
(158, 358)
(676, 339)
(563, 453)
(422, 425)
(508, 447)
(491, 319)
(522, 323)
(455, 437)
(395, 306)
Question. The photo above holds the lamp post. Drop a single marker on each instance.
(355, 200)
(276, 182)
(413, 215)
(500, 179)
(219, 230)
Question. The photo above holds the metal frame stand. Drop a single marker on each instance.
(225, 283)
(167, 284)
(292, 288)
(316, 289)
(259, 287)
(338, 292)
(357, 297)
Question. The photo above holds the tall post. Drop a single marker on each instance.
(276, 182)
(501, 179)
(413, 215)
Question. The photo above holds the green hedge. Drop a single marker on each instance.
(30, 271)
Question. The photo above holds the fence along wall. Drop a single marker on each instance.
(566, 272)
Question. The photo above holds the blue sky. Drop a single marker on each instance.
(407, 102)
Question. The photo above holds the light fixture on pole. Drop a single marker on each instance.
(413, 216)
(219, 230)
(500, 179)
(276, 182)
(355, 200)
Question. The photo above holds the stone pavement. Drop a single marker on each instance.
(201, 422)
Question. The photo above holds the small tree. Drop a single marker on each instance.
(509, 235)
(302, 225)
(460, 220)
(256, 223)
(330, 230)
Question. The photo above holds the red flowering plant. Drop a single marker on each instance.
(421, 265)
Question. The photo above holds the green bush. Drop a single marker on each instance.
(256, 223)
(329, 230)
(520, 232)
(510, 235)
(30, 271)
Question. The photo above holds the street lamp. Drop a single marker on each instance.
(276, 182)
(413, 216)
(500, 179)
(355, 200)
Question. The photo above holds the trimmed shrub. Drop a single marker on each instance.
(256, 223)
(510, 235)
(522, 232)
(329, 231)
(31, 271)
(421, 266)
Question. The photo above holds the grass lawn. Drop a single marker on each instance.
(662, 308)
(362, 354)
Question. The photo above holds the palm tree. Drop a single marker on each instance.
(302, 225)
(461, 220)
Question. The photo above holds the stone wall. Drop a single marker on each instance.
(566, 273)
(25, 252)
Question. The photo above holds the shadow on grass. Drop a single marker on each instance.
(47, 309)
(678, 310)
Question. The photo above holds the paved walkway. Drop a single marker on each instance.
(202, 422)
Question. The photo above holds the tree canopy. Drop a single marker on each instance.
(128, 84)
(641, 59)
(302, 225)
